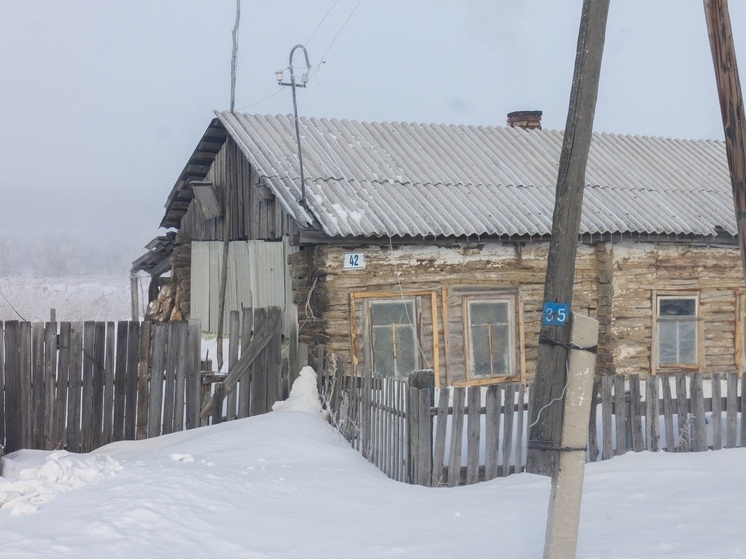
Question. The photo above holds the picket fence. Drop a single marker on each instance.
(78, 386)
(462, 435)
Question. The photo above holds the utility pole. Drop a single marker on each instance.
(731, 108)
(545, 431)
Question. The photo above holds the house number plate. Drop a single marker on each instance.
(555, 314)
(353, 261)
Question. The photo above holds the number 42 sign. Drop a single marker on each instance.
(353, 261)
(555, 314)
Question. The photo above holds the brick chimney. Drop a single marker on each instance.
(528, 120)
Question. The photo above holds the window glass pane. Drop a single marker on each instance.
(480, 350)
(399, 312)
(383, 351)
(405, 351)
(677, 331)
(394, 342)
(676, 307)
(500, 348)
(687, 342)
(667, 342)
(489, 338)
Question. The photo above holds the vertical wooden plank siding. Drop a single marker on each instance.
(182, 337)
(37, 386)
(75, 390)
(233, 343)
(439, 452)
(86, 406)
(668, 411)
(518, 452)
(50, 384)
(171, 356)
(13, 418)
(731, 410)
(99, 374)
(157, 368)
(638, 443)
(607, 383)
(26, 366)
(193, 376)
(717, 412)
(120, 382)
(593, 453)
(457, 431)
(130, 390)
(244, 385)
(258, 391)
(472, 434)
(492, 431)
(682, 414)
(697, 398)
(273, 359)
(423, 452)
(620, 416)
(143, 379)
(63, 387)
(652, 423)
(508, 427)
(110, 371)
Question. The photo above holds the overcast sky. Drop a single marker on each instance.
(103, 101)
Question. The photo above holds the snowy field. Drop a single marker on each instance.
(285, 485)
(90, 298)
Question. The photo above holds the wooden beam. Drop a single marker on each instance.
(545, 430)
(731, 108)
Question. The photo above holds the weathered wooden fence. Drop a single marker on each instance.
(82, 385)
(257, 376)
(455, 436)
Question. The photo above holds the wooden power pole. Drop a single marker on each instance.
(545, 429)
(731, 108)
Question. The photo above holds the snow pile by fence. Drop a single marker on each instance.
(33, 477)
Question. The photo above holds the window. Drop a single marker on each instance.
(490, 336)
(394, 337)
(677, 331)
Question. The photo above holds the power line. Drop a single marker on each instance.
(321, 60)
(12, 307)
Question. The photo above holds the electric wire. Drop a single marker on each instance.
(323, 56)
(12, 307)
(321, 60)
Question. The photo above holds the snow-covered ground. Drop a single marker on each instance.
(285, 485)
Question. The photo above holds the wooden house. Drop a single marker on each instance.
(414, 246)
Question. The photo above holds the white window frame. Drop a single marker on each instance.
(508, 300)
(412, 324)
(658, 298)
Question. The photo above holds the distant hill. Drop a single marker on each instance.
(75, 299)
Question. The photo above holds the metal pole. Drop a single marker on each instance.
(293, 85)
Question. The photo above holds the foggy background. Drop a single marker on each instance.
(102, 102)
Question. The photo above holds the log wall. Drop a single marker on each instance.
(615, 283)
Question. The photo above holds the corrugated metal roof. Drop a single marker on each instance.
(400, 179)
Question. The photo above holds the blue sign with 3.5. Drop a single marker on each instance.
(555, 314)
